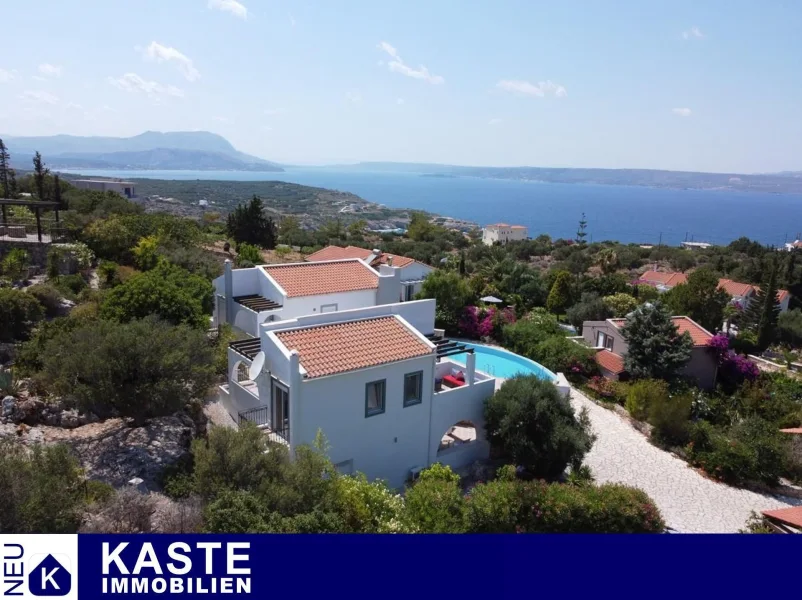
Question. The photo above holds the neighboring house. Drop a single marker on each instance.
(695, 245)
(502, 233)
(606, 337)
(413, 272)
(742, 293)
(795, 245)
(124, 188)
(246, 298)
(372, 381)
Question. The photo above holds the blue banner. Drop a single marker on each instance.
(427, 566)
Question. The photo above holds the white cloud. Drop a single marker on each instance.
(354, 96)
(399, 101)
(267, 128)
(108, 108)
(542, 88)
(494, 121)
(398, 66)
(693, 33)
(131, 82)
(49, 70)
(38, 78)
(160, 53)
(6, 76)
(40, 96)
(235, 8)
(682, 112)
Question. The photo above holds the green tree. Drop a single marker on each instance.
(15, 265)
(19, 312)
(655, 350)
(357, 228)
(41, 487)
(451, 293)
(111, 238)
(40, 173)
(235, 511)
(581, 233)
(248, 223)
(434, 504)
(535, 426)
(789, 327)
(167, 291)
(620, 304)
(142, 369)
(5, 157)
(589, 308)
(760, 317)
(421, 229)
(700, 298)
(146, 252)
(607, 259)
(248, 254)
(369, 507)
(560, 296)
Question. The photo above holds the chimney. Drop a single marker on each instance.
(389, 291)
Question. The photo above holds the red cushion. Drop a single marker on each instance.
(453, 380)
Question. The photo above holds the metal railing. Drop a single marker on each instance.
(27, 232)
(261, 417)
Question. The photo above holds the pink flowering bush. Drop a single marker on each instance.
(469, 322)
(734, 368)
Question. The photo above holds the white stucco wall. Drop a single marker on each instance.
(466, 403)
(383, 446)
(246, 281)
(310, 305)
(415, 271)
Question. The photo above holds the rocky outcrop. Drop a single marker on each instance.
(110, 451)
(33, 411)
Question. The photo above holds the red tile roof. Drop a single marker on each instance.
(791, 516)
(610, 361)
(735, 288)
(338, 253)
(341, 347)
(517, 227)
(699, 335)
(782, 295)
(315, 278)
(666, 279)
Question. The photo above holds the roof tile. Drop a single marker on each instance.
(699, 335)
(340, 347)
(315, 278)
(338, 253)
(791, 516)
(610, 361)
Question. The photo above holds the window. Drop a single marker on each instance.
(413, 388)
(604, 341)
(374, 397)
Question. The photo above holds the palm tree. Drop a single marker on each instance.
(607, 259)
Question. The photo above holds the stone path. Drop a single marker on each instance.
(689, 502)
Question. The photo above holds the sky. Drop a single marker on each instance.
(679, 84)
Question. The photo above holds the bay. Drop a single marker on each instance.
(627, 214)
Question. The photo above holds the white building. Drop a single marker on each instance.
(413, 272)
(502, 233)
(124, 188)
(247, 298)
(371, 379)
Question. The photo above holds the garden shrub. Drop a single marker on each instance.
(642, 394)
(670, 416)
(19, 311)
(561, 355)
(434, 504)
(72, 284)
(248, 253)
(48, 296)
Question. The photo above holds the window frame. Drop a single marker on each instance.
(419, 400)
(374, 412)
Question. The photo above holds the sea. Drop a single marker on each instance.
(633, 214)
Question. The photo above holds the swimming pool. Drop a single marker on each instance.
(502, 363)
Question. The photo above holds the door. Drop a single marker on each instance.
(281, 410)
(327, 308)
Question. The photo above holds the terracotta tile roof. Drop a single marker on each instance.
(610, 361)
(315, 278)
(498, 225)
(782, 295)
(517, 227)
(791, 516)
(666, 279)
(735, 288)
(352, 345)
(699, 335)
(793, 430)
(338, 253)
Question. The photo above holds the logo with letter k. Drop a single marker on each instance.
(49, 578)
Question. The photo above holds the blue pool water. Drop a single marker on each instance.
(501, 363)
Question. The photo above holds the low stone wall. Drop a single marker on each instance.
(37, 253)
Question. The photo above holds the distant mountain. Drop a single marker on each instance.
(180, 150)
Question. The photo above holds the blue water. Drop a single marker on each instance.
(501, 363)
(627, 214)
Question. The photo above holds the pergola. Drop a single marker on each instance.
(35, 206)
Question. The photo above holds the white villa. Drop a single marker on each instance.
(502, 233)
(413, 272)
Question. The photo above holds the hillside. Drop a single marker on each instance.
(193, 150)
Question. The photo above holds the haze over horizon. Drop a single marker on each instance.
(679, 86)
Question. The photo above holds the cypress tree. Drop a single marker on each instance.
(57, 191)
(761, 315)
(581, 233)
(5, 157)
(40, 172)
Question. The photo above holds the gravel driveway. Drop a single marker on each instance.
(689, 502)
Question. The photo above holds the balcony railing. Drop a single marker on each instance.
(261, 417)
